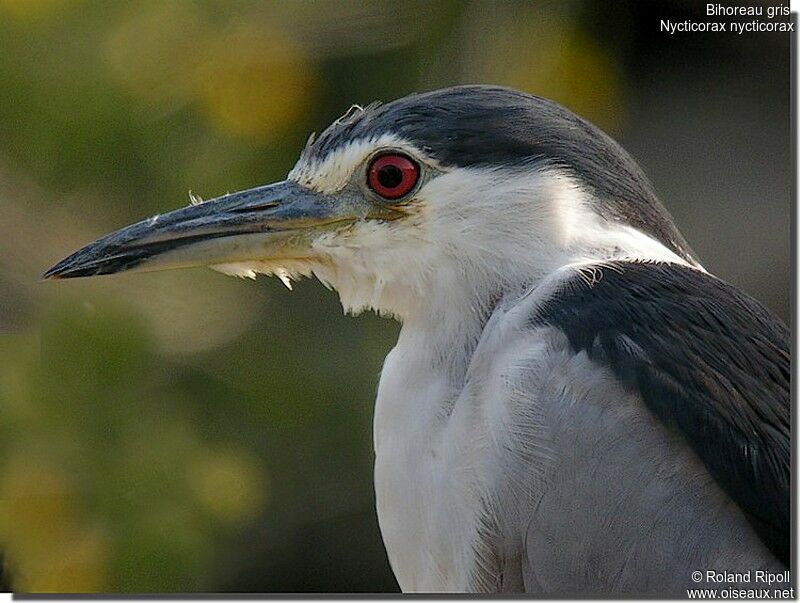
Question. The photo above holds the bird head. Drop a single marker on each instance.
(463, 191)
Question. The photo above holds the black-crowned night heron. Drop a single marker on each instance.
(574, 404)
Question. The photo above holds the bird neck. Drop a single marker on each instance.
(448, 320)
(446, 325)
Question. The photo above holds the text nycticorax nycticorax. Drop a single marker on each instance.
(574, 404)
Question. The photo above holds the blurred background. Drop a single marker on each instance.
(186, 431)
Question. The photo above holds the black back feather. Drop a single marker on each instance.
(707, 359)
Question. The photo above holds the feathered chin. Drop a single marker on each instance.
(286, 272)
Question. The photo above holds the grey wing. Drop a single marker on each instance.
(648, 430)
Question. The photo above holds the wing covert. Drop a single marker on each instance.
(707, 359)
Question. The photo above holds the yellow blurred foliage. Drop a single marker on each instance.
(248, 80)
(256, 83)
(551, 56)
(31, 9)
(19, 352)
(50, 549)
(95, 495)
(228, 483)
(577, 73)
(151, 57)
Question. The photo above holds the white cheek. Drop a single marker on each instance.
(375, 265)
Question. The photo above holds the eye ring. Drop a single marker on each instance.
(392, 175)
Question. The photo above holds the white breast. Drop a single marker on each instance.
(436, 434)
(425, 479)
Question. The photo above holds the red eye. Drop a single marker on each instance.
(392, 176)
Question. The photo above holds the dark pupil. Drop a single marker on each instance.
(390, 176)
